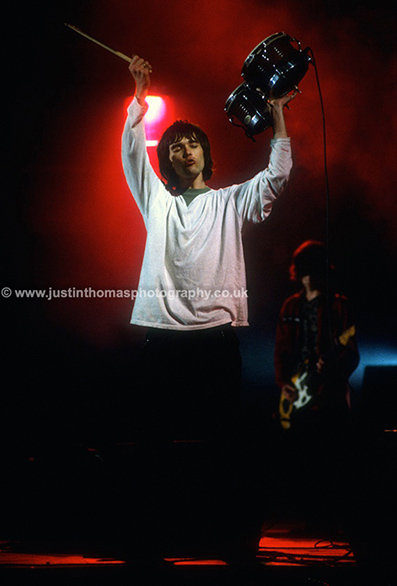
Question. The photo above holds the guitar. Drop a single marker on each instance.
(304, 382)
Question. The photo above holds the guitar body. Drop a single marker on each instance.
(303, 383)
(306, 383)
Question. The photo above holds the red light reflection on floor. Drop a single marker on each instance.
(280, 549)
(20, 559)
(195, 562)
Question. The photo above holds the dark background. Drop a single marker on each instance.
(69, 365)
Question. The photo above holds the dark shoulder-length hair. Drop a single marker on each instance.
(310, 258)
(178, 130)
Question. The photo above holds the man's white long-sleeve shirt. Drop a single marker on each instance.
(193, 272)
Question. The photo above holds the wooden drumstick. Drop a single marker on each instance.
(118, 53)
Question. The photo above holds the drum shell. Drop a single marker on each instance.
(273, 69)
(250, 107)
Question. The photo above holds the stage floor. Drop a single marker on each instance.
(77, 517)
(285, 556)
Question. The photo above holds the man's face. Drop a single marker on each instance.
(187, 158)
(312, 283)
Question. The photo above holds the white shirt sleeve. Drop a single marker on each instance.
(141, 178)
(254, 198)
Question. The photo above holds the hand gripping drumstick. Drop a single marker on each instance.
(80, 32)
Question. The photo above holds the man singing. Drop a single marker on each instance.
(192, 294)
(194, 246)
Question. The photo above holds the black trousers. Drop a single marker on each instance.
(189, 384)
(190, 390)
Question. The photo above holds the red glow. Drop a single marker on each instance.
(90, 230)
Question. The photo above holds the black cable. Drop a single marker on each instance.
(327, 220)
(327, 203)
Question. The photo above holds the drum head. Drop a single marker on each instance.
(275, 66)
(275, 46)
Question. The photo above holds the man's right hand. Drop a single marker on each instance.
(140, 71)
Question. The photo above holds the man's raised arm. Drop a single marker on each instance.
(277, 112)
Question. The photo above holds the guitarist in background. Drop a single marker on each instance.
(315, 349)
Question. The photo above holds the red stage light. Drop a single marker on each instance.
(153, 118)
(158, 117)
(156, 110)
